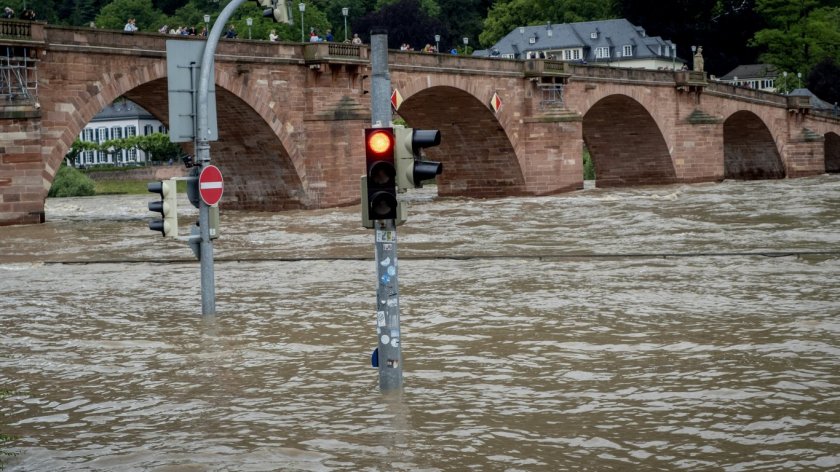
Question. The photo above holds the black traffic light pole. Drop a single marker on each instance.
(388, 353)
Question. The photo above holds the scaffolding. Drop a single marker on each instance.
(552, 95)
(18, 77)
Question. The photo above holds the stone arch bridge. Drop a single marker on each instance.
(291, 117)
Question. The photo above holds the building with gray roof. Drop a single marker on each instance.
(617, 43)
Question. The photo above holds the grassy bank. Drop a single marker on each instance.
(127, 187)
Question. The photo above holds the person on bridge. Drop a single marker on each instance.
(130, 26)
(8, 13)
(273, 36)
(356, 39)
(231, 32)
(329, 37)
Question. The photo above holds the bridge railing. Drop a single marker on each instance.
(15, 28)
(335, 52)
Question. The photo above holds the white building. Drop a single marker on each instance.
(617, 43)
(756, 76)
(121, 119)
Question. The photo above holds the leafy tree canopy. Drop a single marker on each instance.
(116, 13)
(799, 33)
(406, 22)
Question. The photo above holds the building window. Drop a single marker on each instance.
(567, 54)
(602, 53)
(627, 51)
(101, 135)
(130, 131)
(508, 56)
(88, 135)
(148, 129)
(593, 35)
(161, 129)
(116, 132)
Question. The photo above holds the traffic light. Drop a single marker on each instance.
(411, 169)
(167, 206)
(277, 10)
(379, 188)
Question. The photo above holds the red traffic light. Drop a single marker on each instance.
(379, 142)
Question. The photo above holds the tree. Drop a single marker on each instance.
(799, 33)
(406, 22)
(824, 80)
(722, 27)
(115, 14)
(76, 149)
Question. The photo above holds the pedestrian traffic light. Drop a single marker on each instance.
(412, 170)
(277, 10)
(379, 189)
(167, 206)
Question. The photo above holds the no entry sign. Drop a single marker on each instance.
(210, 185)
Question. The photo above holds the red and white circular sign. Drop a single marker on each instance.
(210, 185)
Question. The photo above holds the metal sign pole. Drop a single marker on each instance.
(202, 154)
(387, 288)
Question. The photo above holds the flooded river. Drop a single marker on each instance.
(686, 327)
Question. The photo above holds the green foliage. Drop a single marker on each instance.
(824, 80)
(76, 149)
(115, 14)
(69, 182)
(156, 145)
(588, 165)
(800, 33)
(406, 22)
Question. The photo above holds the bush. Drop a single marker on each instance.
(69, 182)
(588, 165)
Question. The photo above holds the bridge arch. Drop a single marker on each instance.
(626, 144)
(478, 156)
(749, 151)
(253, 141)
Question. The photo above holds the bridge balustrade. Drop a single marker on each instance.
(15, 29)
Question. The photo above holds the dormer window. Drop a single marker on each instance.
(532, 40)
(549, 33)
(593, 35)
(627, 50)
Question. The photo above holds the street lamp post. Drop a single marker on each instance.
(799, 80)
(249, 22)
(466, 42)
(345, 11)
(206, 25)
(437, 43)
(302, 8)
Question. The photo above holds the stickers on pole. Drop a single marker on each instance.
(386, 236)
(496, 102)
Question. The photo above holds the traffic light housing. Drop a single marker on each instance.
(412, 170)
(379, 186)
(167, 206)
(277, 10)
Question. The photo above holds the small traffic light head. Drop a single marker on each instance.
(423, 138)
(411, 169)
(167, 206)
(275, 9)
